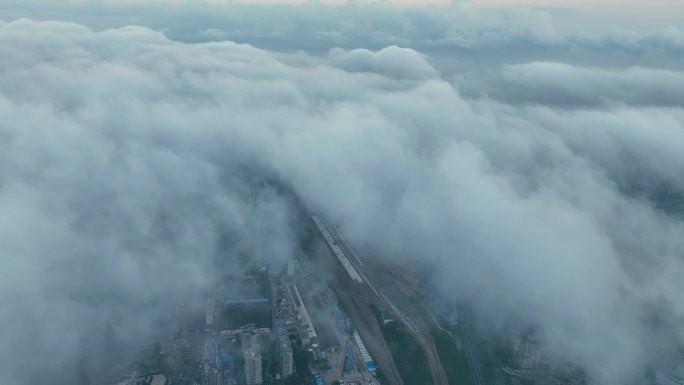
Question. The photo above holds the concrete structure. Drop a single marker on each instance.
(276, 287)
(367, 360)
(286, 362)
(237, 313)
(158, 379)
(671, 372)
(336, 249)
(253, 366)
(132, 378)
(250, 338)
(209, 315)
(308, 335)
(240, 332)
(349, 359)
(212, 363)
(276, 267)
(215, 377)
(285, 354)
(290, 271)
(227, 368)
(560, 373)
(528, 355)
(127, 378)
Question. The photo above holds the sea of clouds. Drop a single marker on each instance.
(534, 186)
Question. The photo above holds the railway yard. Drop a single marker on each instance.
(368, 284)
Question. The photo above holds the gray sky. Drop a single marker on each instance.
(523, 155)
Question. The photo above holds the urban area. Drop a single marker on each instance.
(328, 316)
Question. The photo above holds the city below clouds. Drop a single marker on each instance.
(531, 163)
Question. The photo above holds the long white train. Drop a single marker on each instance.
(336, 249)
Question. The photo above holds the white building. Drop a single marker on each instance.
(158, 379)
(209, 315)
(285, 352)
(307, 331)
(286, 362)
(253, 366)
(250, 339)
(528, 355)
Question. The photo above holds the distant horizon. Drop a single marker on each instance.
(585, 4)
(599, 14)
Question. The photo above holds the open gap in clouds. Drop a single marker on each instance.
(131, 156)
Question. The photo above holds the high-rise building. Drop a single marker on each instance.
(209, 314)
(215, 377)
(285, 355)
(249, 338)
(529, 355)
(253, 365)
(285, 352)
(286, 362)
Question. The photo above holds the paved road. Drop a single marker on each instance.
(473, 362)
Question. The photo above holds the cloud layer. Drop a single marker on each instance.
(128, 159)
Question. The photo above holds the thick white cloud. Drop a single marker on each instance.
(127, 159)
(400, 63)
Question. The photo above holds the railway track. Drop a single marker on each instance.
(358, 296)
(422, 334)
(357, 302)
